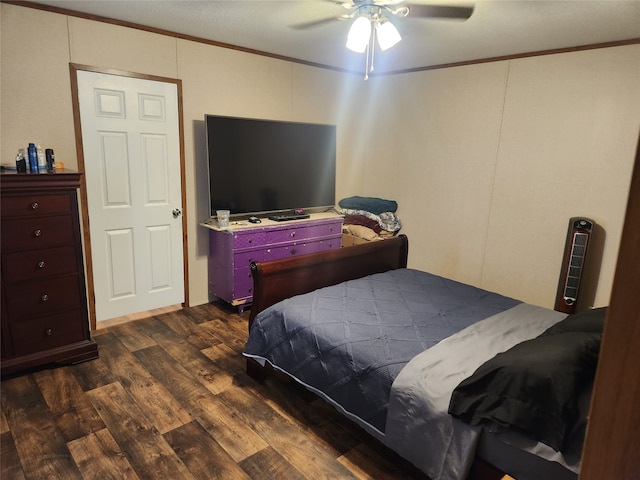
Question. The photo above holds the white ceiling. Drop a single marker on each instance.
(496, 28)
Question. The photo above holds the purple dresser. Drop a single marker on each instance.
(231, 251)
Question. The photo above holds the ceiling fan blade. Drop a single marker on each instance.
(316, 23)
(439, 11)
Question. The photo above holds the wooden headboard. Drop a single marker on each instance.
(279, 279)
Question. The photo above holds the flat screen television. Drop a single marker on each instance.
(265, 166)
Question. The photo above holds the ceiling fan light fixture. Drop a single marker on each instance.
(387, 34)
(359, 34)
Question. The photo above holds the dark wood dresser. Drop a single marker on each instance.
(44, 302)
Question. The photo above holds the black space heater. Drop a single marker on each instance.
(575, 254)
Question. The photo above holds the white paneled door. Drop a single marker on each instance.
(131, 143)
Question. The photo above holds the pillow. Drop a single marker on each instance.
(531, 388)
(588, 321)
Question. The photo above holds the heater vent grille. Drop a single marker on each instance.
(576, 261)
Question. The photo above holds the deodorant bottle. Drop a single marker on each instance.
(33, 158)
(51, 159)
(42, 164)
(21, 164)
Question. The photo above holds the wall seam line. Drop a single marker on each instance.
(493, 183)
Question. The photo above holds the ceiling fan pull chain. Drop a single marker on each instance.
(371, 48)
(373, 45)
(366, 62)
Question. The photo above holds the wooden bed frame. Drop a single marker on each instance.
(280, 279)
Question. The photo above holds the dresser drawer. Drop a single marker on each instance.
(36, 233)
(32, 264)
(302, 248)
(321, 245)
(49, 332)
(242, 261)
(243, 289)
(303, 233)
(35, 205)
(249, 239)
(40, 297)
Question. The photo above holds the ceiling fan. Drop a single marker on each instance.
(372, 22)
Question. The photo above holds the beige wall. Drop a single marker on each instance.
(476, 156)
(488, 162)
(568, 139)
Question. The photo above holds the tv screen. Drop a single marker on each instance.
(260, 166)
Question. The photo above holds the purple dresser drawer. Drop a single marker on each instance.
(242, 269)
(302, 248)
(243, 291)
(249, 239)
(305, 232)
(242, 260)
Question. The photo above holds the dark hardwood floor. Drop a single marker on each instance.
(169, 399)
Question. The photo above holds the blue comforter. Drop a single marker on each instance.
(350, 341)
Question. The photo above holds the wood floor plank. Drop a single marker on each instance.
(4, 426)
(99, 456)
(132, 336)
(96, 373)
(370, 463)
(73, 412)
(235, 436)
(309, 457)
(10, 465)
(164, 411)
(184, 326)
(229, 360)
(232, 330)
(268, 463)
(202, 455)
(206, 312)
(214, 377)
(40, 445)
(148, 452)
(315, 417)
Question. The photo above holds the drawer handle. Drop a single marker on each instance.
(49, 332)
(41, 264)
(293, 251)
(293, 234)
(37, 233)
(34, 206)
(45, 297)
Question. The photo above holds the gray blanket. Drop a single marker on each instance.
(349, 342)
(418, 425)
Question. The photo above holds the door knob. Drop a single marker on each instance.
(176, 212)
